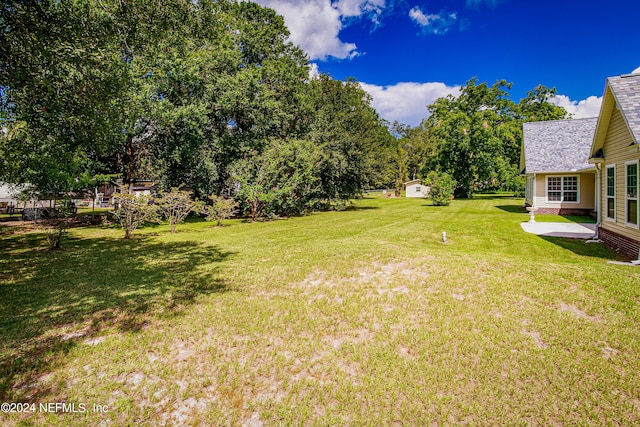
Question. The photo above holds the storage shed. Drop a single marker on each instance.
(415, 188)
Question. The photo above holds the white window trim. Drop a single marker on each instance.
(627, 198)
(558, 202)
(606, 196)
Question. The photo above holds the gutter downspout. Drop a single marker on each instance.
(534, 191)
(598, 200)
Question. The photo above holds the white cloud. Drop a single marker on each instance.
(589, 107)
(433, 23)
(350, 8)
(315, 24)
(407, 102)
(314, 72)
(417, 15)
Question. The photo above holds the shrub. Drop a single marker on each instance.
(133, 211)
(55, 226)
(176, 205)
(441, 188)
(222, 208)
(55, 230)
(282, 180)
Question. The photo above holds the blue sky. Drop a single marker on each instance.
(407, 53)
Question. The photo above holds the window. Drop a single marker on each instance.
(554, 187)
(417, 188)
(562, 189)
(611, 192)
(570, 189)
(632, 193)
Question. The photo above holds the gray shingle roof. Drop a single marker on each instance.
(626, 90)
(558, 145)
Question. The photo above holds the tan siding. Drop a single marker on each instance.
(616, 151)
(587, 188)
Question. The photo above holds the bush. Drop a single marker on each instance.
(176, 205)
(222, 208)
(441, 188)
(55, 227)
(133, 211)
(282, 180)
(55, 230)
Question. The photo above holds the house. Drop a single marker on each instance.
(105, 191)
(616, 152)
(143, 187)
(8, 199)
(11, 200)
(554, 158)
(414, 188)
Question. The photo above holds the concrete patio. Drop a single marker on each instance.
(560, 229)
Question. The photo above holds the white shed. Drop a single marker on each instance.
(415, 188)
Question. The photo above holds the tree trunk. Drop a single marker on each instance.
(254, 210)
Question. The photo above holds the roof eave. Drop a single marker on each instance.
(563, 171)
(606, 111)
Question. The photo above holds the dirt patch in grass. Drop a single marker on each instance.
(536, 337)
(564, 307)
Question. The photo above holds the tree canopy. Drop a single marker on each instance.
(476, 136)
(213, 97)
(177, 92)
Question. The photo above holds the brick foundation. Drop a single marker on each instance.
(565, 211)
(625, 245)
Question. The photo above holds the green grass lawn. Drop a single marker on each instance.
(360, 317)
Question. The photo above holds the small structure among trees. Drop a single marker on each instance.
(415, 188)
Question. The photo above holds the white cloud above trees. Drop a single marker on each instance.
(585, 108)
(433, 23)
(315, 24)
(314, 72)
(350, 8)
(407, 102)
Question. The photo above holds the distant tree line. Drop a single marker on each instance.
(210, 96)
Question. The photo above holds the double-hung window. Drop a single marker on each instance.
(611, 192)
(631, 191)
(562, 189)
